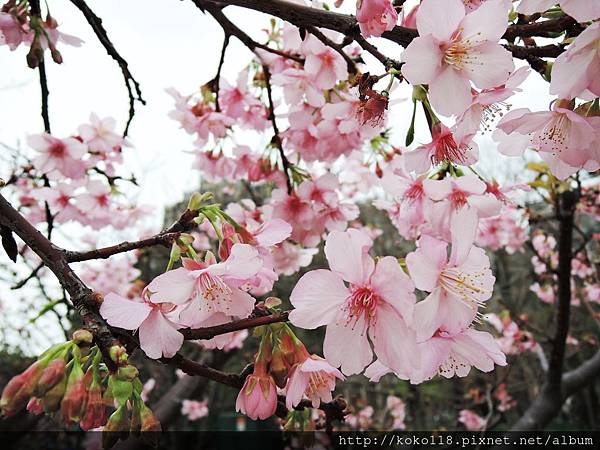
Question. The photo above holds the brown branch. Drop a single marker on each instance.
(166, 237)
(130, 82)
(32, 275)
(276, 140)
(254, 320)
(217, 80)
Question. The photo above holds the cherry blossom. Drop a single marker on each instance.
(457, 285)
(315, 378)
(209, 287)
(562, 136)
(454, 49)
(99, 135)
(471, 420)
(574, 71)
(58, 156)
(454, 145)
(375, 16)
(157, 332)
(377, 303)
(193, 409)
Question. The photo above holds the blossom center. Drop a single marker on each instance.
(57, 150)
(458, 199)
(554, 133)
(466, 286)
(458, 53)
(446, 148)
(362, 303)
(213, 289)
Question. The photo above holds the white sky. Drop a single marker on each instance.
(167, 44)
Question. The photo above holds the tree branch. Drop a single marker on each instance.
(130, 82)
(254, 320)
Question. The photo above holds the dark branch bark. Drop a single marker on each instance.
(553, 393)
(243, 324)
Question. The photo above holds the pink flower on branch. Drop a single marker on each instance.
(454, 49)
(207, 288)
(376, 306)
(583, 11)
(157, 331)
(457, 285)
(375, 16)
(315, 378)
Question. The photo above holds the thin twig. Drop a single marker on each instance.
(130, 82)
(237, 325)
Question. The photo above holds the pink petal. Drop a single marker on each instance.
(425, 263)
(317, 297)
(488, 22)
(450, 92)
(394, 343)
(391, 283)
(429, 315)
(422, 60)
(122, 313)
(159, 336)
(244, 262)
(490, 65)
(273, 232)
(347, 254)
(175, 286)
(463, 227)
(440, 18)
(347, 345)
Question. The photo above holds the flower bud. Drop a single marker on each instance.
(82, 337)
(54, 396)
(279, 368)
(127, 373)
(73, 402)
(95, 413)
(117, 425)
(18, 390)
(51, 376)
(258, 397)
(118, 354)
(149, 420)
(35, 406)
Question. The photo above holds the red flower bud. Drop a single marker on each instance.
(35, 406)
(54, 396)
(73, 403)
(95, 413)
(51, 376)
(18, 390)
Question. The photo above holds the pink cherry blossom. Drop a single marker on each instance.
(58, 155)
(157, 332)
(289, 258)
(315, 378)
(574, 72)
(12, 32)
(489, 105)
(457, 285)
(323, 64)
(397, 409)
(194, 410)
(100, 136)
(471, 420)
(454, 145)
(562, 136)
(375, 16)
(583, 11)
(258, 397)
(451, 355)
(454, 49)
(377, 304)
(413, 205)
(61, 199)
(209, 287)
(451, 195)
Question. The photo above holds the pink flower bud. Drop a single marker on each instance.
(258, 397)
(73, 403)
(18, 390)
(35, 406)
(50, 377)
